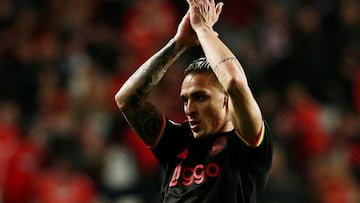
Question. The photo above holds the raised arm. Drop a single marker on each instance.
(142, 116)
(245, 112)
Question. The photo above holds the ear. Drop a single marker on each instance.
(226, 100)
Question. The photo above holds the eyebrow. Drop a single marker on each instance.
(195, 93)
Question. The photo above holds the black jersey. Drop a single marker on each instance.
(218, 168)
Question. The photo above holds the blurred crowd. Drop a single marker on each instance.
(62, 138)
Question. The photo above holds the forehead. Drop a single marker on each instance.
(198, 82)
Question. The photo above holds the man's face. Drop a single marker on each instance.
(204, 104)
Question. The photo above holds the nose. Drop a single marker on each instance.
(189, 109)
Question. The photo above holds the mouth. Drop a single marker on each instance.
(194, 125)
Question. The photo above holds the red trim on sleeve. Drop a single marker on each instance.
(259, 139)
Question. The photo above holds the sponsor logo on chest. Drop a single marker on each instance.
(188, 175)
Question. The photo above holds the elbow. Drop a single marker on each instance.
(235, 84)
(234, 80)
(125, 99)
(119, 100)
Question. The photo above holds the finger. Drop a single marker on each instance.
(190, 2)
(187, 15)
(211, 1)
(218, 8)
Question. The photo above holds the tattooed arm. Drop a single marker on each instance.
(142, 116)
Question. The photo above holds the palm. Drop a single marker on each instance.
(204, 13)
(185, 32)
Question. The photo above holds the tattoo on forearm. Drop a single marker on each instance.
(145, 118)
(146, 121)
(156, 67)
(166, 55)
(223, 61)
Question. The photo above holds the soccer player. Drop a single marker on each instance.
(223, 152)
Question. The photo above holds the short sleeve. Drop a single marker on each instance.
(259, 156)
(173, 140)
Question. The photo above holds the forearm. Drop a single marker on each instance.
(223, 62)
(246, 115)
(147, 76)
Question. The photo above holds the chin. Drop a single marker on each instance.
(195, 135)
(198, 135)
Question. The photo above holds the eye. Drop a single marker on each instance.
(184, 100)
(199, 97)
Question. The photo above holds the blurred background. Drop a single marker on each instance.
(62, 61)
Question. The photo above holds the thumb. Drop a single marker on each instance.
(219, 7)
